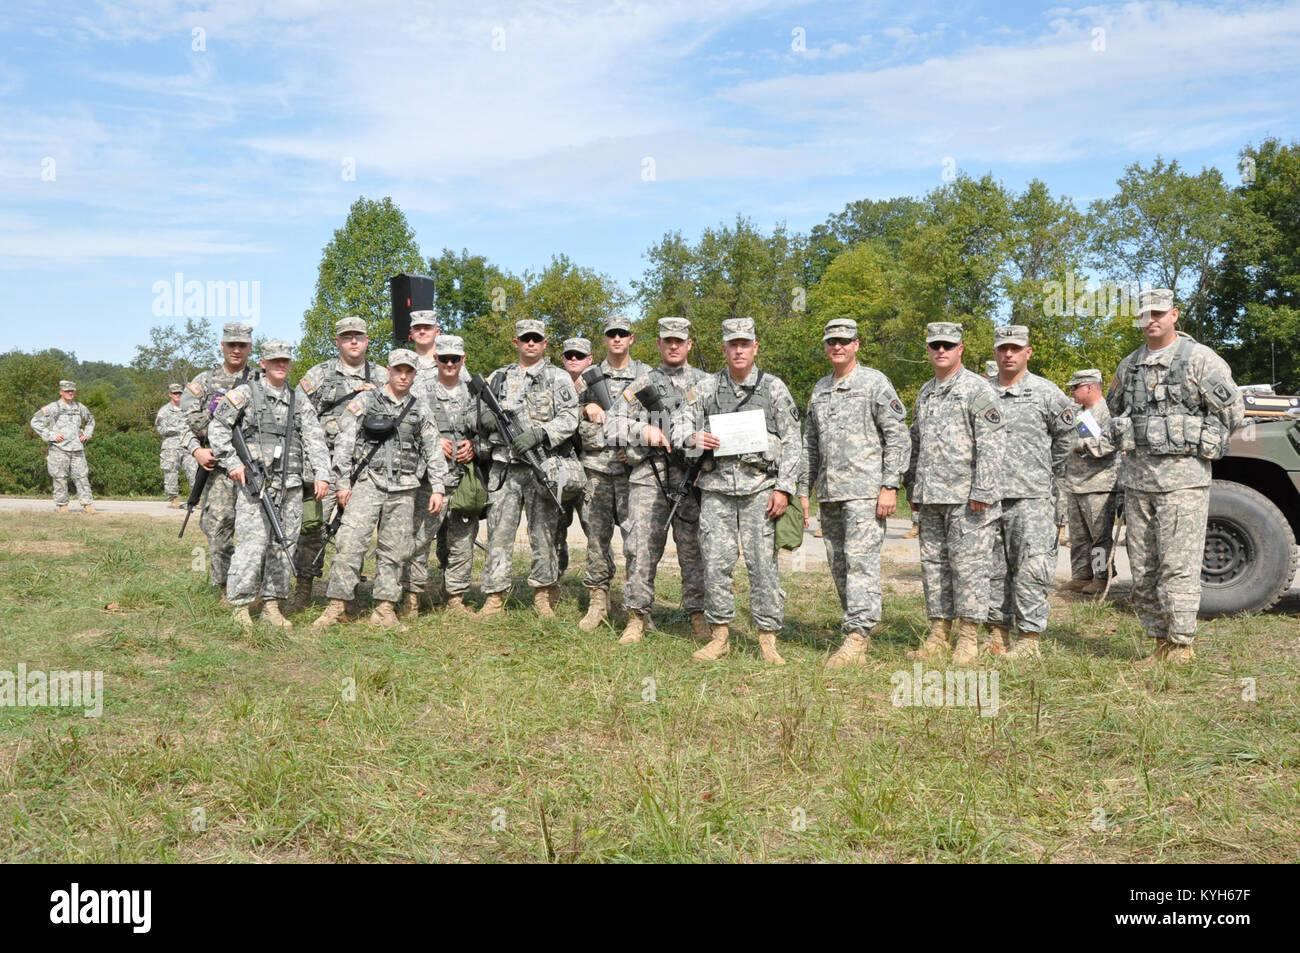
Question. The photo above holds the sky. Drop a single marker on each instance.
(146, 142)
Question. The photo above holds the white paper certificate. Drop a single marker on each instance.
(743, 432)
(1089, 423)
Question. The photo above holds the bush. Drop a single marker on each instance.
(122, 463)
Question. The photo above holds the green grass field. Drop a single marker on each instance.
(517, 740)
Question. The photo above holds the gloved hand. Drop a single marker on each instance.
(488, 421)
(528, 439)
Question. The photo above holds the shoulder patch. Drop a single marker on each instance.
(628, 395)
(896, 406)
(690, 394)
(307, 385)
(354, 406)
(195, 389)
(1067, 417)
(1114, 382)
(993, 417)
(235, 398)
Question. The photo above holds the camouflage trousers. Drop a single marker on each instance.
(260, 565)
(391, 512)
(456, 538)
(1166, 549)
(604, 505)
(730, 525)
(1092, 534)
(567, 512)
(955, 546)
(1024, 560)
(218, 524)
(59, 465)
(310, 544)
(647, 534)
(172, 460)
(520, 491)
(853, 536)
(425, 528)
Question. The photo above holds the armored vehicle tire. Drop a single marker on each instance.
(1250, 553)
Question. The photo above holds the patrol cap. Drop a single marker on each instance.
(403, 355)
(349, 324)
(840, 328)
(943, 331)
(738, 329)
(581, 345)
(1089, 376)
(990, 368)
(424, 317)
(1155, 299)
(675, 328)
(529, 326)
(1011, 334)
(618, 322)
(449, 344)
(67, 385)
(236, 332)
(175, 388)
(276, 349)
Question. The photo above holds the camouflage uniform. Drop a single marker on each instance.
(259, 565)
(1176, 408)
(856, 440)
(571, 508)
(170, 424)
(1090, 472)
(73, 421)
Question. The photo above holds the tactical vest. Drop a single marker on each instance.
(336, 389)
(403, 444)
(76, 410)
(725, 401)
(1173, 423)
(268, 433)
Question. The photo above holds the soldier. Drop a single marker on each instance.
(424, 339)
(66, 425)
(577, 358)
(282, 433)
(401, 431)
(856, 447)
(654, 473)
(329, 386)
(170, 423)
(605, 499)
(447, 398)
(952, 481)
(1038, 431)
(1175, 406)
(198, 404)
(743, 495)
(547, 405)
(1090, 473)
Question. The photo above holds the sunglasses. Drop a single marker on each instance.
(573, 356)
(617, 333)
(943, 346)
(532, 339)
(839, 342)
(449, 359)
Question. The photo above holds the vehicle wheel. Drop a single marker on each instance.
(1250, 553)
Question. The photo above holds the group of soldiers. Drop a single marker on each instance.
(715, 458)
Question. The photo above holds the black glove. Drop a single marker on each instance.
(528, 439)
(488, 421)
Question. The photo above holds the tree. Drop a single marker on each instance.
(887, 221)
(375, 243)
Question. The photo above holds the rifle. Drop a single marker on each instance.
(512, 428)
(196, 494)
(650, 400)
(258, 481)
(598, 387)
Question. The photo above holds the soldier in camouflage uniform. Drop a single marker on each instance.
(198, 404)
(1038, 427)
(282, 433)
(547, 405)
(329, 386)
(605, 500)
(856, 447)
(1175, 405)
(66, 425)
(1090, 473)
(402, 431)
(170, 424)
(577, 358)
(743, 495)
(651, 446)
(952, 479)
(448, 399)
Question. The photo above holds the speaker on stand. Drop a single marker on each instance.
(409, 293)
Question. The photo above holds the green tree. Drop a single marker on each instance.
(885, 220)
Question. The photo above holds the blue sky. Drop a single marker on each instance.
(133, 148)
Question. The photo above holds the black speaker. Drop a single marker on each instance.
(410, 293)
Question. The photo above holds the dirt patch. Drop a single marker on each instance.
(54, 546)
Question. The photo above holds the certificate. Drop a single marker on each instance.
(1088, 426)
(743, 432)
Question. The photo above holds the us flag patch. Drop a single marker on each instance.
(306, 385)
(354, 406)
(195, 389)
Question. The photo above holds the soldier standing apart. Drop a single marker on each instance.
(1038, 427)
(655, 472)
(66, 425)
(1090, 473)
(170, 424)
(281, 432)
(856, 447)
(952, 480)
(604, 501)
(447, 398)
(743, 495)
(577, 358)
(404, 436)
(198, 404)
(543, 397)
(329, 386)
(1175, 406)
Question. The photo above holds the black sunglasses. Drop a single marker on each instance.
(573, 356)
(839, 342)
(943, 345)
(532, 339)
(449, 358)
(617, 333)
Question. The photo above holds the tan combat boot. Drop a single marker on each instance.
(1178, 654)
(89, 509)
(174, 503)
(456, 605)
(936, 645)
(301, 595)
(1159, 655)
(767, 648)
(411, 605)
(968, 649)
(637, 623)
(271, 614)
(1026, 647)
(818, 534)
(243, 618)
(385, 618)
(334, 612)
(852, 652)
(999, 640)
(63, 507)
(914, 532)
(1094, 587)
(699, 626)
(597, 612)
(717, 647)
(495, 604)
(542, 602)
(1075, 585)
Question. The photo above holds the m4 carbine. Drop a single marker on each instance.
(512, 428)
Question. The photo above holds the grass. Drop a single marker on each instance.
(520, 740)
